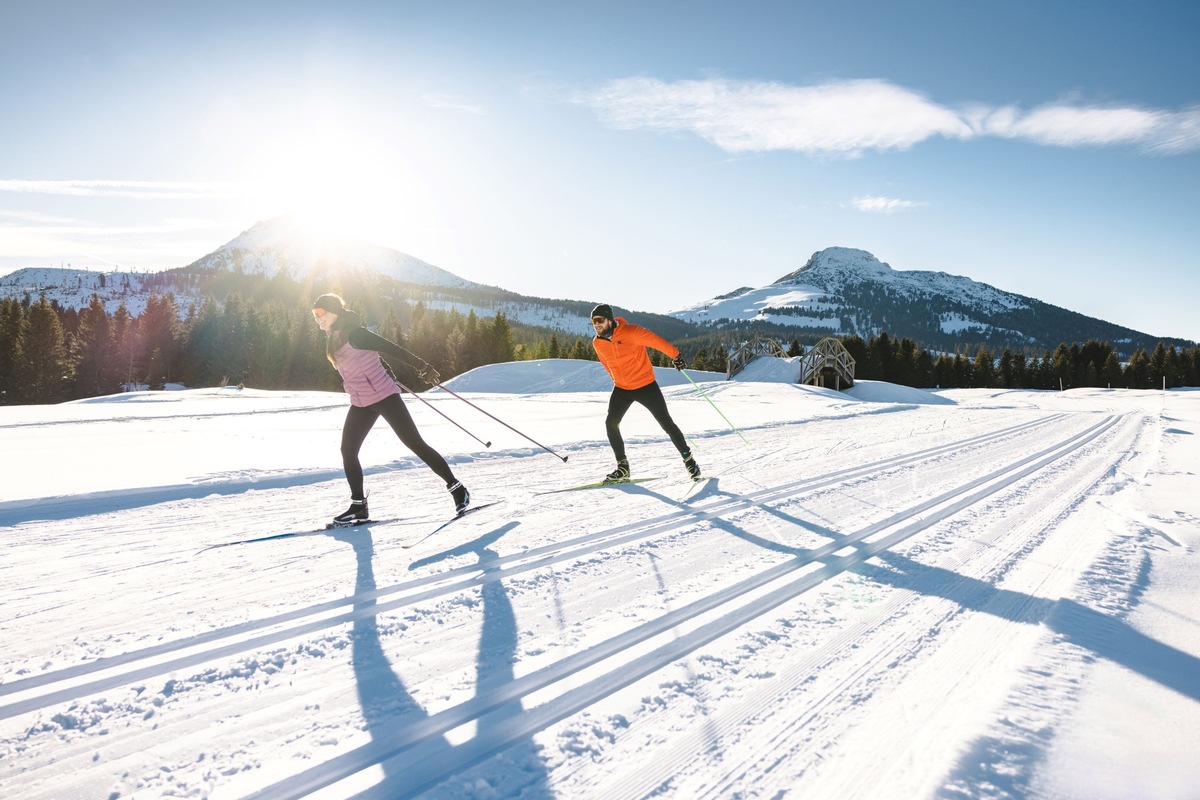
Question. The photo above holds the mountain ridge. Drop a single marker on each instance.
(839, 291)
(843, 291)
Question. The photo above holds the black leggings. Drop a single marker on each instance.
(360, 420)
(652, 398)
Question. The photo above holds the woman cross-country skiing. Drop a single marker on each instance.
(355, 352)
(621, 348)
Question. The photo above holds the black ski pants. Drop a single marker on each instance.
(651, 397)
(360, 420)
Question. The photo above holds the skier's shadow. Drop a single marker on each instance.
(1106, 636)
(388, 707)
(713, 491)
(1001, 762)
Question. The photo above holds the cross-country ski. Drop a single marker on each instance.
(601, 484)
(442, 526)
(329, 528)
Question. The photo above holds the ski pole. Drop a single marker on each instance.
(438, 410)
(502, 422)
(714, 405)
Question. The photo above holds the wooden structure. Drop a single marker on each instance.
(758, 346)
(829, 364)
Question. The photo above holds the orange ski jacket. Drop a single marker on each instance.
(624, 356)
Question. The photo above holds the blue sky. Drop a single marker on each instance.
(647, 154)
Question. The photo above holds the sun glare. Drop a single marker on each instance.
(337, 181)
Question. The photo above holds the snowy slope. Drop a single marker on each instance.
(887, 593)
(73, 288)
(288, 245)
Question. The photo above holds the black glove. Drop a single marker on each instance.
(678, 362)
(429, 375)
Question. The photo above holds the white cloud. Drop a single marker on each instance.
(846, 118)
(1078, 126)
(139, 190)
(839, 118)
(884, 205)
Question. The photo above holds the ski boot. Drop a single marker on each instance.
(462, 498)
(356, 514)
(620, 474)
(692, 467)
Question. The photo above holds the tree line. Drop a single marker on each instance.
(1092, 364)
(49, 354)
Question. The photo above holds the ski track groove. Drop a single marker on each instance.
(403, 753)
(167, 657)
(444, 583)
(795, 733)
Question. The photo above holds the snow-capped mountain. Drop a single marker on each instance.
(310, 263)
(290, 246)
(815, 295)
(284, 245)
(842, 291)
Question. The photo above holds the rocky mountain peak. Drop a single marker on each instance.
(835, 266)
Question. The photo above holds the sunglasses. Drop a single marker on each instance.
(599, 320)
(319, 312)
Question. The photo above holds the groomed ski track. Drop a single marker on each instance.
(838, 592)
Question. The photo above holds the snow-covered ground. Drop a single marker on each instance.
(886, 593)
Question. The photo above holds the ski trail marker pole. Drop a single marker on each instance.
(438, 410)
(442, 386)
(714, 405)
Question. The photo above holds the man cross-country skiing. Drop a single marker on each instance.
(621, 348)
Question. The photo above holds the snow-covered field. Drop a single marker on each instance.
(886, 593)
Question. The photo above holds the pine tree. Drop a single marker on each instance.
(962, 371)
(1005, 373)
(43, 355)
(984, 369)
(1192, 367)
(943, 372)
(92, 354)
(159, 326)
(1159, 368)
(503, 350)
(718, 359)
(1137, 371)
(1020, 371)
(202, 349)
(923, 370)
(457, 351)
(582, 350)
(125, 344)
(12, 316)
(1111, 373)
(1062, 369)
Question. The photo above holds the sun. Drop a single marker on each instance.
(340, 182)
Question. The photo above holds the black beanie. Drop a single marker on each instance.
(331, 303)
(603, 310)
